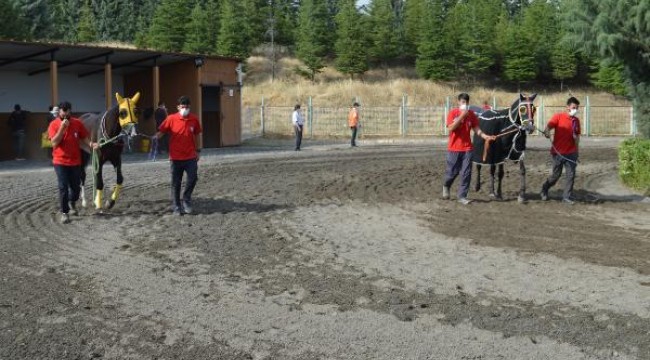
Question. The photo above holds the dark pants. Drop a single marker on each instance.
(69, 178)
(459, 162)
(354, 135)
(298, 130)
(570, 166)
(19, 143)
(177, 168)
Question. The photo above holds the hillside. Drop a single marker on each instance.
(377, 88)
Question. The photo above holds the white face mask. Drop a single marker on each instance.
(184, 112)
(573, 112)
(463, 106)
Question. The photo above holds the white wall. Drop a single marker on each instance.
(33, 92)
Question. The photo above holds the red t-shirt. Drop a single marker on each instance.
(459, 139)
(67, 152)
(565, 127)
(182, 132)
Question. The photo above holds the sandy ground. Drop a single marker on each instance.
(327, 253)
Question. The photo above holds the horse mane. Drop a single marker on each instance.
(110, 124)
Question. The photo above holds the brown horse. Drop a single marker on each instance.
(110, 130)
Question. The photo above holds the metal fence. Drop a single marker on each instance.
(407, 120)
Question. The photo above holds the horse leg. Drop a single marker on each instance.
(84, 162)
(117, 165)
(492, 194)
(99, 187)
(477, 187)
(500, 175)
(522, 178)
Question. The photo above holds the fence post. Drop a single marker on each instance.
(542, 121)
(632, 122)
(262, 116)
(310, 117)
(444, 120)
(404, 114)
(494, 102)
(587, 117)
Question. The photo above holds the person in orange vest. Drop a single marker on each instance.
(353, 122)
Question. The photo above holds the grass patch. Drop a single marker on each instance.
(634, 164)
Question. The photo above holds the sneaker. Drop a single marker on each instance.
(65, 218)
(464, 201)
(187, 208)
(177, 212)
(445, 192)
(568, 201)
(544, 196)
(73, 209)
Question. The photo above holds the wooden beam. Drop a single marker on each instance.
(25, 57)
(108, 84)
(156, 86)
(199, 102)
(121, 65)
(54, 83)
(68, 63)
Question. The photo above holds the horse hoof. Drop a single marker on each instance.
(110, 204)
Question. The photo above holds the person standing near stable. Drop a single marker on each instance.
(564, 150)
(459, 148)
(184, 132)
(298, 122)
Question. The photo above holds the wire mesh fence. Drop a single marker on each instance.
(414, 120)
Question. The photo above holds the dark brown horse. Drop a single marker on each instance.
(510, 126)
(110, 130)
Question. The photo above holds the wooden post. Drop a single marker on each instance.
(199, 102)
(156, 86)
(54, 83)
(108, 84)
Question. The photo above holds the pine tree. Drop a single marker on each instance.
(197, 39)
(563, 62)
(64, 18)
(539, 26)
(11, 25)
(167, 30)
(232, 39)
(434, 51)
(519, 62)
(212, 29)
(254, 22)
(311, 36)
(37, 11)
(86, 29)
(351, 53)
(414, 22)
(383, 37)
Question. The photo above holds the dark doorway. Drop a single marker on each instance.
(211, 116)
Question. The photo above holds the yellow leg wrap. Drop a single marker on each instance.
(116, 192)
(99, 198)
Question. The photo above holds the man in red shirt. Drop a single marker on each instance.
(564, 149)
(66, 134)
(459, 149)
(184, 132)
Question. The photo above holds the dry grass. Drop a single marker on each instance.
(333, 89)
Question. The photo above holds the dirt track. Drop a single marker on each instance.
(330, 253)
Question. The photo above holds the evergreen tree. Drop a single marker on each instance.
(167, 30)
(232, 39)
(563, 62)
(212, 29)
(255, 21)
(64, 19)
(518, 60)
(619, 33)
(610, 77)
(86, 28)
(351, 53)
(434, 55)
(11, 25)
(414, 22)
(474, 46)
(197, 39)
(383, 37)
(311, 36)
(540, 29)
(37, 11)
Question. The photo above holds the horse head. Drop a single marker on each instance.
(128, 111)
(522, 112)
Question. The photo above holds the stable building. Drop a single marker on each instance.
(37, 75)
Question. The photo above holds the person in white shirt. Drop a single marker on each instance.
(298, 122)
